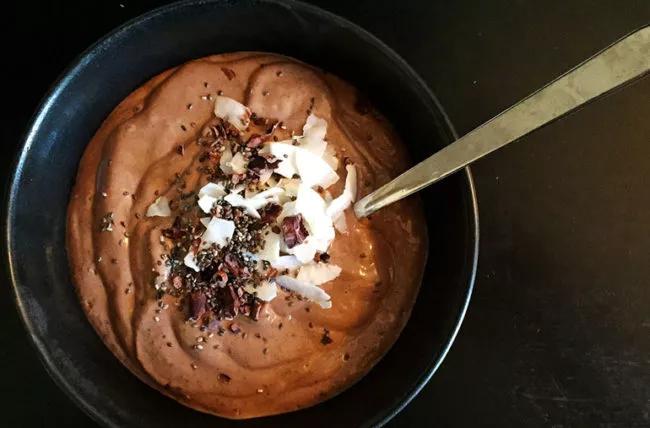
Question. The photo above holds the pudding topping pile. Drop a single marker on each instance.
(263, 219)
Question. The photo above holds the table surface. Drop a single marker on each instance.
(558, 331)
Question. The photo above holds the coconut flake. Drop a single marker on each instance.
(313, 160)
(330, 157)
(286, 262)
(238, 163)
(313, 170)
(224, 160)
(284, 151)
(349, 194)
(218, 231)
(232, 111)
(190, 261)
(216, 190)
(206, 202)
(318, 273)
(312, 207)
(271, 249)
(341, 223)
(309, 202)
(265, 291)
(237, 200)
(321, 231)
(159, 208)
(267, 195)
(256, 202)
(351, 181)
(313, 135)
(290, 186)
(305, 289)
(238, 188)
(304, 252)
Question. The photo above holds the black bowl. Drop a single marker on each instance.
(105, 74)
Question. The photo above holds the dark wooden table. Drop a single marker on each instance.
(558, 332)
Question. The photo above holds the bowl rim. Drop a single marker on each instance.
(68, 74)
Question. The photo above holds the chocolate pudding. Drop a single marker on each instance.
(212, 241)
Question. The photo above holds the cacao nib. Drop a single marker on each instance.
(257, 120)
(229, 301)
(326, 339)
(198, 305)
(270, 212)
(272, 163)
(259, 163)
(221, 278)
(294, 230)
(228, 72)
(232, 263)
(257, 309)
(175, 231)
(245, 309)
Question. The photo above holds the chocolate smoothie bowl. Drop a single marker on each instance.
(212, 244)
(198, 213)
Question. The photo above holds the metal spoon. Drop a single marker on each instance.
(622, 62)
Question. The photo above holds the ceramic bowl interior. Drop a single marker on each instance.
(105, 74)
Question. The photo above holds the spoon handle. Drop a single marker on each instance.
(624, 61)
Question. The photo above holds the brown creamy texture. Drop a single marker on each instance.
(280, 364)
